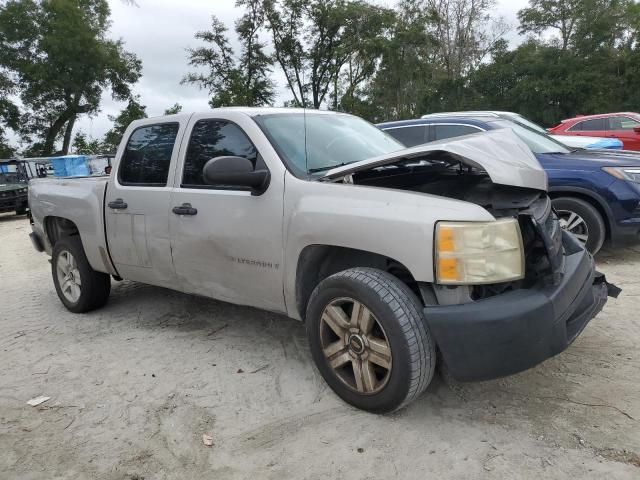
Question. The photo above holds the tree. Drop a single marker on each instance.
(313, 40)
(465, 32)
(407, 68)
(555, 15)
(61, 58)
(83, 145)
(9, 114)
(230, 81)
(176, 108)
(368, 35)
(133, 111)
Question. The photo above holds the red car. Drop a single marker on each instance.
(624, 126)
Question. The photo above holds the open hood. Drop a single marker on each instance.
(500, 153)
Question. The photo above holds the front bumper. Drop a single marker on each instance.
(515, 331)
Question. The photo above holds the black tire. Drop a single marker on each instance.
(596, 227)
(21, 211)
(399, 313)
(95, 286)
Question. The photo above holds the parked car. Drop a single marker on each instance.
(13, 188)
(596, 192)
(625, 126)
(385, 253)
(597, 143)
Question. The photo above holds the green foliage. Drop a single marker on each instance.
(315, 39)
(231, 81)
(176, 108)
(133, 111)
(83, 145)
(61, 60)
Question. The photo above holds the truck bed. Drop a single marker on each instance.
(80, 200)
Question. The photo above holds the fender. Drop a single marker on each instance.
(395, 224)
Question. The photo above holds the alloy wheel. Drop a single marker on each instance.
(355, 345)
(68, 276)
(574, 224)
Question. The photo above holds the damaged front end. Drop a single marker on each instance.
(489, 330)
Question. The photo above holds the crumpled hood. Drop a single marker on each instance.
(506, 159)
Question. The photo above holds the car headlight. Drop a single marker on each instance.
(470, 253)
(631, 174)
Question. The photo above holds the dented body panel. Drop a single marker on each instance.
(500, 153)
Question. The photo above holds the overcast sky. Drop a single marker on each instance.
(159, 31)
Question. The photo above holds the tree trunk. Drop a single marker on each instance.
(53, 132)
(67, 134)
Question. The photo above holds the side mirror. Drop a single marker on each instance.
(636, 129)
(236, 172)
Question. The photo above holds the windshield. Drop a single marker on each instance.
(9, 178)
(537, 141)
(328, 140)
(525, 122)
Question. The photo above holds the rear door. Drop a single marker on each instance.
(623, 128)
(227, 243)
(137, 203)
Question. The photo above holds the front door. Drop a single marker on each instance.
(137, 205)
(226, 242)
(624, 128)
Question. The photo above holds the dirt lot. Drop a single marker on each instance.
(135, 385)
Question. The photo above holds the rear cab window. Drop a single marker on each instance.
(147, 155)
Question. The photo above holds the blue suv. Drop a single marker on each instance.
(595, 192)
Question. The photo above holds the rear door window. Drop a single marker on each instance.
(593, 125)
(409, 136)
(449, 131)
(147, 156)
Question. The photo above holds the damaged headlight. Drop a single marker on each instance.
(470, 253)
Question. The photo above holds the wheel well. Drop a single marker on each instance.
(56, 227)
(317, 262)
(591, 201)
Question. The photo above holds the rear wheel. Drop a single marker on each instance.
(79, 287)
(369, 340)
(581, 219)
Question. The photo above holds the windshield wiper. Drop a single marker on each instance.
(328, 167)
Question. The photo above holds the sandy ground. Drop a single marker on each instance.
(135, 385)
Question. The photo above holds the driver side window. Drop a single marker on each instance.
(210, 139)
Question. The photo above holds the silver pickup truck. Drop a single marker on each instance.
(392, 257)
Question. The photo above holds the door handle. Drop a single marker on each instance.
(185, 209)
(117, 204)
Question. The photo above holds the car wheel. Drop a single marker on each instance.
(79, 287)
(582, 220)
(21, 211)
(369, 340)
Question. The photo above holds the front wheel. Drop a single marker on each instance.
(79, 287)
(369, 340)
(581, 219)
